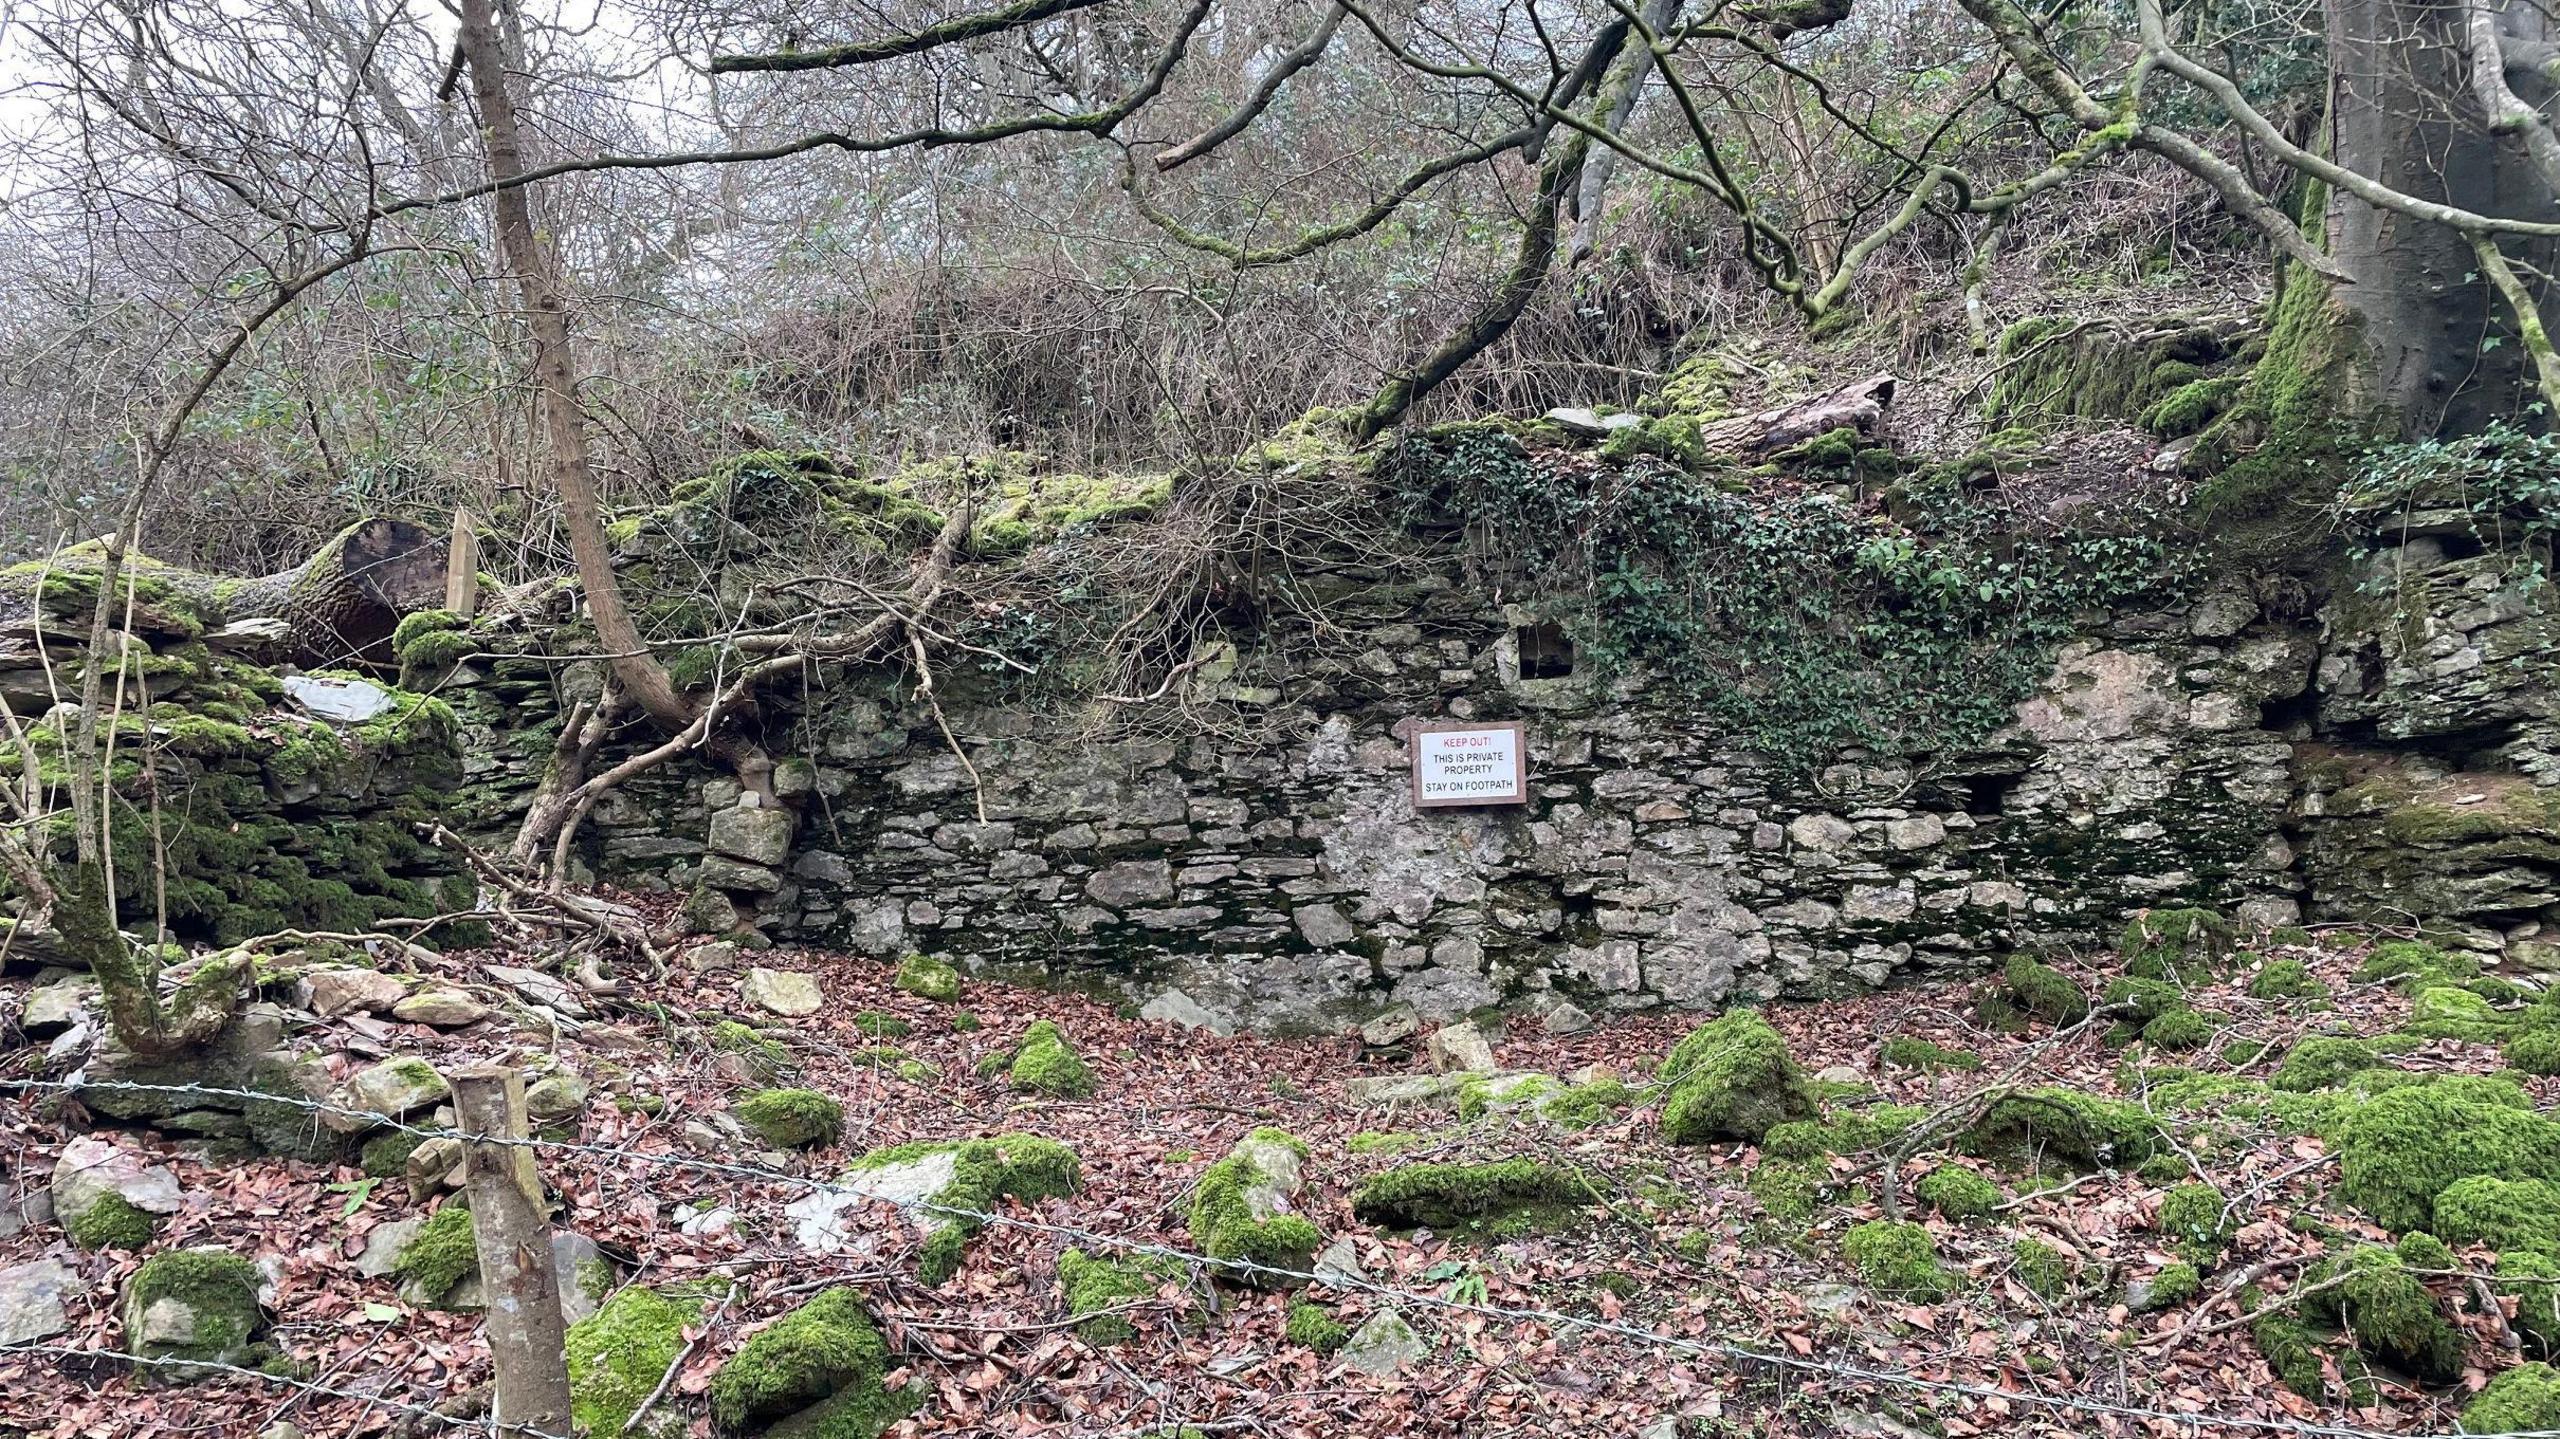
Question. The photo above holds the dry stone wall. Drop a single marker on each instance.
(1273, 871)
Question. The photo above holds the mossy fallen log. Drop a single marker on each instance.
(336, 607)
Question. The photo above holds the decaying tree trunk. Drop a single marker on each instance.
(1858, 406)
(337, 607)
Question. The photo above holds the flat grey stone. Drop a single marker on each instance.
(781, 991)
(442, 1006)
(1385, 1346)
(329, 993)
(340, 701)
(758, 836)
(395, 1087)
(31, 1300)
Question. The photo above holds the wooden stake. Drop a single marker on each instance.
(462, 567)
(511, 1229)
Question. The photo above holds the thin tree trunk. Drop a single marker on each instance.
(546, 309)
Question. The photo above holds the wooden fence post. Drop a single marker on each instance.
(462, 567)
(512, 1232)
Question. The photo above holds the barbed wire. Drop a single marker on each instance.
(287, 1381)
(1718, 1348)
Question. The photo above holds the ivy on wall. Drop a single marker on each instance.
(1802, 622)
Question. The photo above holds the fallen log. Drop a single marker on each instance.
(337, 607)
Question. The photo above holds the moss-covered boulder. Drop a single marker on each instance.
(1044, 1063)
(1958, 1193)
(2323, 1061)
(618, 1355)
(106, 1196)
(1898, 1258)
(814, 1372)
(2084, 1131)
(2505, 1214)
(438, 1257)
(191, 1307)
(1732, 1078)
(1507, 1196)
(2524, 1400)
(1099, 1290)
(928, 978)
(1242, 1211)
(2403, 1147)
(2389, 1311)
(2039, 989)
(792, 1118)
(2286, 979)
(2443, 1013)
(942, 1186)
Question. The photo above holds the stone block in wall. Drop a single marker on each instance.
(759, 835)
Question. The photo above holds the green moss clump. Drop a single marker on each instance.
(1096, 1286)
(2044, 991)
(792, 1118)
(1898, 1258)
(1789, 1189)
(984, 1173)
(2391, 1314)
(1224, 1221)
(1958, 1192)
(2175, 944)
(1507, 1196)
(2192, 406)
(2532, 1279)
(2501, 1213)
(928, 978)
(2523, 1400)
(880, 1024)
(1731, 1078)
(618, 1354)
(2043, 1269)
(1044, 1063)
(2286, 979)
(2178, 1029)
(768, 1058)
(2301, 1361)
(2084, 1130)
(112, 1222)
(386, 1156)
(2407, 1145)
(2143, 1000)
(2323, 1062)
(1853, 1131)
(2536, 1051)
(2195, 1218)
(1311, 1326)
(439, 1256)
(2410, 965)
(1906, 1051)
(2443, 1013)
(2175, 1284)
(816, 1371)
(2241, 1053)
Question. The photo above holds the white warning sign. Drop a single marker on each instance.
(1469, 764)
